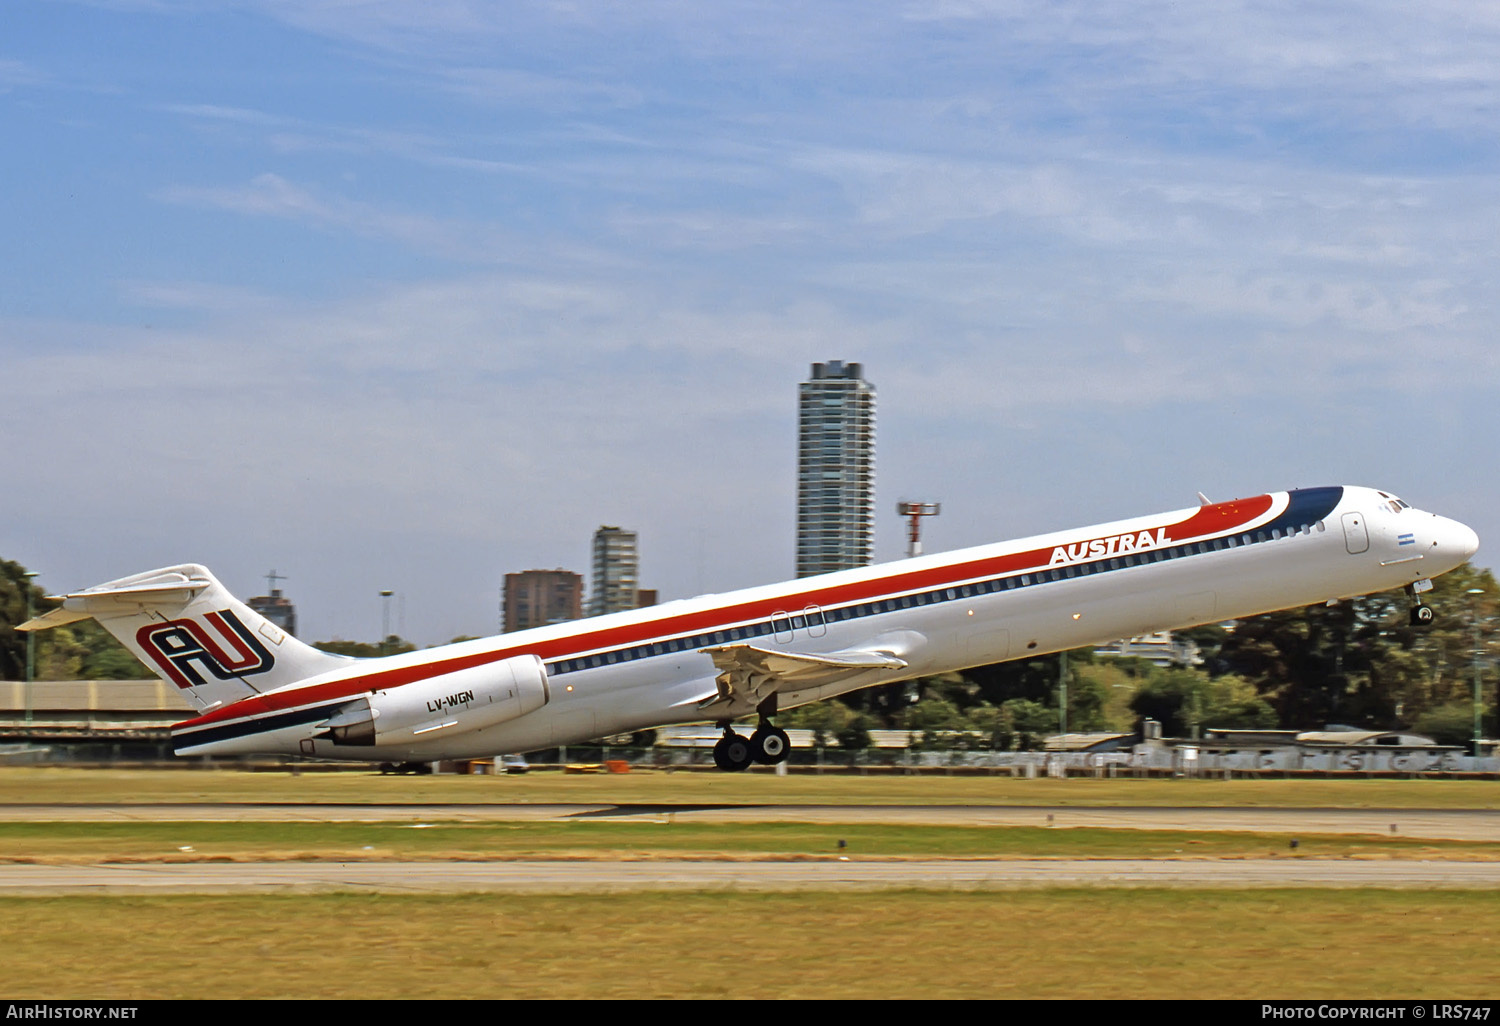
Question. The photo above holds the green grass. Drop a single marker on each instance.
(1087, 944)
(207, 841)
(81, 786)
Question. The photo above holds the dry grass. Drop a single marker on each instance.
(1050, 944)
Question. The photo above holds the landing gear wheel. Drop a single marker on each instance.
(1421, 616)
(733, 752)
(770, 745)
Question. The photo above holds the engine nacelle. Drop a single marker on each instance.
(454, 703)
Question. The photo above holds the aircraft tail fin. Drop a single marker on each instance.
(185, 625)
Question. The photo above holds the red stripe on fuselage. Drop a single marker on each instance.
(1218, 518)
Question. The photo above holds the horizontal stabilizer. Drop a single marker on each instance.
(56, 618)
(155, 590)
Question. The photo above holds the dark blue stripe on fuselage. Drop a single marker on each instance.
(1307, 506)
(229, 731)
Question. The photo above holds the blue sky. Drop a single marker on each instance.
(413, 294)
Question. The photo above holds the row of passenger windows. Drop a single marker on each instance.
(814, 620)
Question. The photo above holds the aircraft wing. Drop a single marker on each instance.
(749, 675)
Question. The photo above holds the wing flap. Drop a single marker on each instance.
(749, 675)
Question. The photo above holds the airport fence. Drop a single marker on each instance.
(1176, 761)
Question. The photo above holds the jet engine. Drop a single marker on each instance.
(453, 703)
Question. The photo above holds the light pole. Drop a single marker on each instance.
(385, 620)
(1474, 594)
(29, 575)
(1062, 692)
(914, 512)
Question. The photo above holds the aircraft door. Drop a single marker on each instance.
(781, 625)
(1356, 535)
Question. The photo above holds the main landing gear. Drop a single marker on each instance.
(1421, 613)
(768, 746)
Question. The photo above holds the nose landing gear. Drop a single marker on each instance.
(1421, 613)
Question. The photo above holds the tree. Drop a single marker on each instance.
(14, 586)
(931, 720)
(855, 737)
(1027, 722)
(1361, 662)
(1186, 701)
(83, 650)
(1448, 724)
(366, 649)
(1087, 698)
(824, 719)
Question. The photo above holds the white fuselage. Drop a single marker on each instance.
(936, 613)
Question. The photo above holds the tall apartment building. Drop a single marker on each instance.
(534, 598)
(616, 571)
(835, 469)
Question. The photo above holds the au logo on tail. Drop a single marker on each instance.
(184, 649)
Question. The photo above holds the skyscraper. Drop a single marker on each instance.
(835, 469)
(616, 571)
(537, 597)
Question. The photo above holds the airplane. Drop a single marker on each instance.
(718, 658)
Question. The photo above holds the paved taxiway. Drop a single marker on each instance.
(780, 874)
(608, 876)
(1450, 824)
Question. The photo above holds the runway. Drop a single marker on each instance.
(1449, 824)
(678, 875)
(783, 874)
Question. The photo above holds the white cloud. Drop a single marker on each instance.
(270, 195)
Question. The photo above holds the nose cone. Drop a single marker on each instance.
(1467, 540)
(1453, 543)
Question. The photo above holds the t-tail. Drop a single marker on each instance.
(185, 625)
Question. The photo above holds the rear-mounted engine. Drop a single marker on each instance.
(454, 703)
